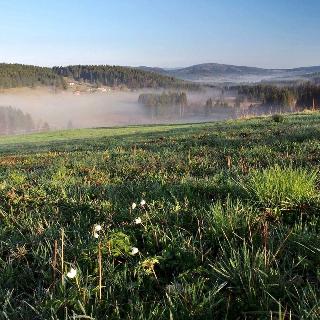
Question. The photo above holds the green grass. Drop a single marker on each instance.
(230, 228)
(283, 188)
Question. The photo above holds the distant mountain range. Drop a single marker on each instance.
(220, 73)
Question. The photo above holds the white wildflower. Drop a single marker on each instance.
(138, 221)
(134, 251)
(96, 235)
(143, 202)
(133, 206)
(97, 228)
(72, 273)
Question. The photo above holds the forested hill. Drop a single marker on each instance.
(116, 76)
(19, 75)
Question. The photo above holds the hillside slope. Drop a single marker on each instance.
(229, 226)
(116, 76)
(18, 75)
(215, 72)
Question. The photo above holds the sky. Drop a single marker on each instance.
(163, 33)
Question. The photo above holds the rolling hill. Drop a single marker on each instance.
(19, 75)
(215, 72)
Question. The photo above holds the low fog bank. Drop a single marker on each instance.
(67, 109)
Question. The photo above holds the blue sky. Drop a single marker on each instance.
(167, 33)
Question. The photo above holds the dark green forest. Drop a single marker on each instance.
(115, 76)
(18, 75)
(302, 96)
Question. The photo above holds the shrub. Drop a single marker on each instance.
(278, 118)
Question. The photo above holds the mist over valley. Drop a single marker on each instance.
(99, 96)
(66, 110)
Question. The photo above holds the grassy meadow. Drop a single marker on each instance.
(198, 221)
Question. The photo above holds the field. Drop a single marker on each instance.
(229, 228)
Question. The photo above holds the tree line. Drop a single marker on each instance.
(14, 120)
(163, 99)
(18, 75)
(113, 76)
(302, 96)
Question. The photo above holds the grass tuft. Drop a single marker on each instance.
(283, 188)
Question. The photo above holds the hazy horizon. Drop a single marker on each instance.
(162, 67)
